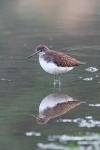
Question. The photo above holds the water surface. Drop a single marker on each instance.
(71, 27)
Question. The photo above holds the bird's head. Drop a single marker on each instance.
(42, 48)
(39, 49)
(41, 119)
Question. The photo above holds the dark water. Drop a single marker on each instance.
(73, 27)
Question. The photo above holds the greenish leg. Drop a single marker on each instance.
(54, 83)
(59, 82)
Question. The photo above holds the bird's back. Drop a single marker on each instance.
(61, 59)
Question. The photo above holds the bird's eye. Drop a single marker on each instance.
(40, 49)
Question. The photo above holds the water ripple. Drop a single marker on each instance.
(66, 138)
(51, 146)
(32, 133)
(87, 122)
(94, 105)
(4, 79)
(91, 69)
(88, 79)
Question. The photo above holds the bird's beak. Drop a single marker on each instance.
(33, 54)
(35, 116)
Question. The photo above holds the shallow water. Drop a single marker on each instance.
(71, 28)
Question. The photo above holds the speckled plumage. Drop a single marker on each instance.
(55, 62)
(60, 59)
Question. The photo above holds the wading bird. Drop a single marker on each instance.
(55, 62)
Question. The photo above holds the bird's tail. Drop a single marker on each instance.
(82, 63)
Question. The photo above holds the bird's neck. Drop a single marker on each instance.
(41, 54)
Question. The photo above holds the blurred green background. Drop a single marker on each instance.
(62, 25)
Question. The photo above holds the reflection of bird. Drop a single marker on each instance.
(55, 62)
(55, 105)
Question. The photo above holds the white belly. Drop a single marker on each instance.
(52, 100)
(53, 68)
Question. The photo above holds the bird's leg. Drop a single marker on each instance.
(59, 82)
(55, 81)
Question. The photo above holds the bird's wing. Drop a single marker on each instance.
(60, 59)
(60, 109)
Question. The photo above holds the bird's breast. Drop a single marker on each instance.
(51, 67)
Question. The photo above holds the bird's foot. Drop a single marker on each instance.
(57, 82)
